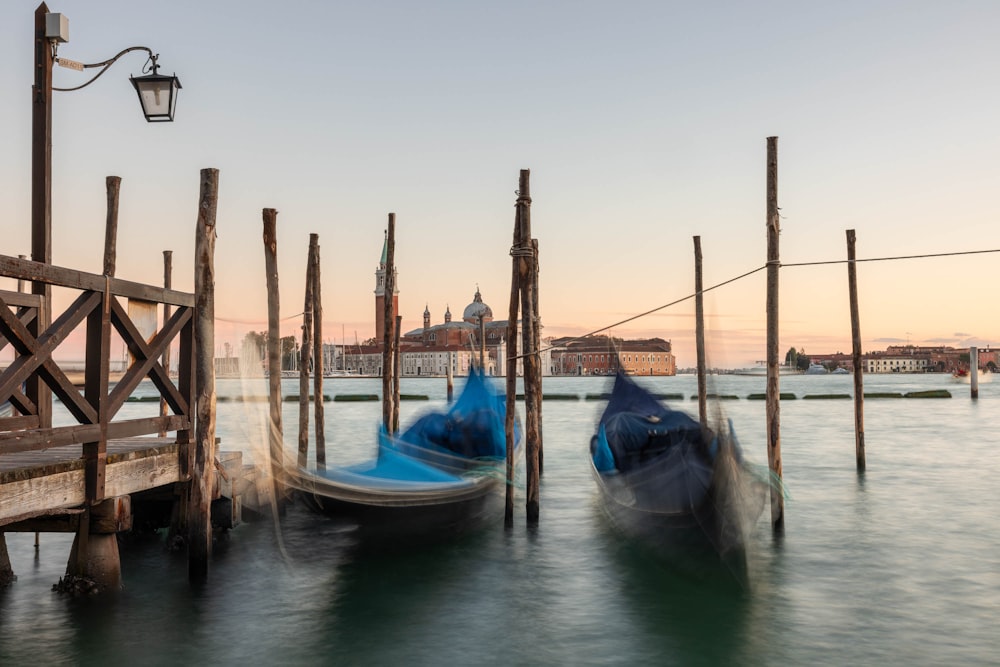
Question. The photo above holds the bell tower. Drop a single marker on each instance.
(380, 292)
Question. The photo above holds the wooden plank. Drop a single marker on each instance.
(66, 489)
(24, 441)
(47, 274)
(20, 299)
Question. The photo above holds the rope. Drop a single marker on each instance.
(749, 273)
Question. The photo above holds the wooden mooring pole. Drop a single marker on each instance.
(699, 337)
(536, 335)
(319, 407)
(396, 372)
(203, 470)
(772, 394)
(856, 361)
(275, 431)
(389, 319)
(305, 354)
(511, 370)
(974, 371)
(450, 378)
(113, 185)
(530, 363)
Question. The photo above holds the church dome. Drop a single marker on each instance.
(477, 309)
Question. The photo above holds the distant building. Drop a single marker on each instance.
(601, 355)
(911, 359)
(431, 349)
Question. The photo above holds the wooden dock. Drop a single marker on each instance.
(44, 490)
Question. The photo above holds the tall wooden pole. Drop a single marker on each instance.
(113, 185)
(526, 272)
(536, 335)
(168, 270)
(699, 336)
(41, 199)
(203, 470)
(511, 371)
(319, 407)
(396, 372)
(773, 394)
(275, 431)
(305, 353)
(482, 345)
(856, 361)
(389, 317)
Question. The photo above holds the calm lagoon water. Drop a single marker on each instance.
(900, 565)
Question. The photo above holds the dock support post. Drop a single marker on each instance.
(202, 468)
(305, 354)
(699, 337)
(7, 576)
(275, 431)
(94, 555)
(856, 361)
(974, 371)
(773, 391)
(319, 408)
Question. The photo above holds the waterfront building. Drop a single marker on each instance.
(601, 355)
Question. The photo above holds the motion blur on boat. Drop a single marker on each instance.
(441, 476)
(682, 492)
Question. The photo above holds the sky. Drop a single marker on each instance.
(644, 124)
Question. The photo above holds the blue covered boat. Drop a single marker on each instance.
(683, 493)
(444, 472)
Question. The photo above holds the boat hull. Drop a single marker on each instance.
(705, 541)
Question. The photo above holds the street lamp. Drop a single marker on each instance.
(158, 95)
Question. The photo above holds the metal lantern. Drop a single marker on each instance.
(157, 95)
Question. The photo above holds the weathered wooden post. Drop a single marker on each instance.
(856, 361)
(389, 317)
(482, 344)
(974, 371)
(773, 394)
(532, 379)
(396, 372)
(275, 431)
(319, 408)
(305, 353)
(511, 371)
(168, 269)
(203, 470)
(699, 336)
(537, 343)
(113, 184)
(450, 380)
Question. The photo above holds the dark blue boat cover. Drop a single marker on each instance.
(636, 429)
(473, 427)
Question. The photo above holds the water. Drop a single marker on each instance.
(901, 565)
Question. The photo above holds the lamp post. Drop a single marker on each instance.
(157, 94)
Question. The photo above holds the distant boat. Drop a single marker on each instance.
(438, 477)
(817, 369)
(963, 375)
(684, 494)
(841, 371)
(761, 370)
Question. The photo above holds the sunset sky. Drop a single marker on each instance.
(643, 123)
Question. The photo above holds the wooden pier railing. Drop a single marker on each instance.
(98, 308)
